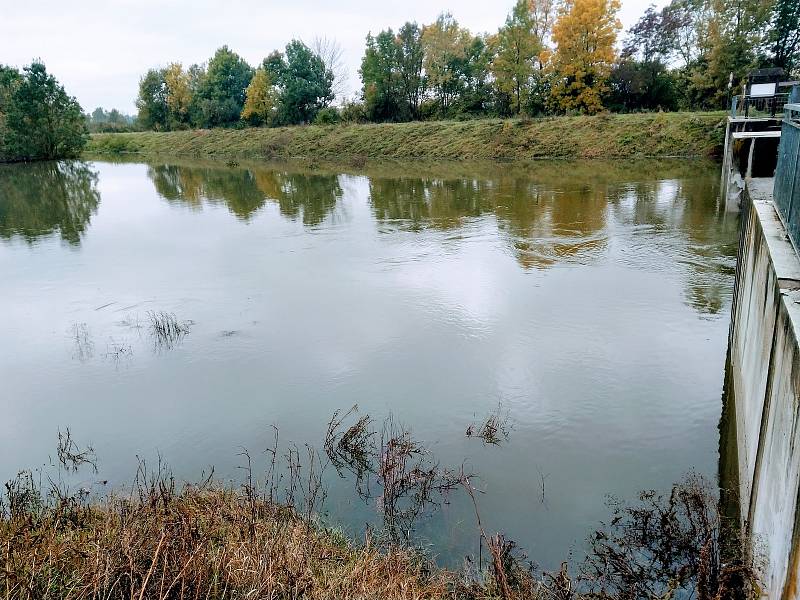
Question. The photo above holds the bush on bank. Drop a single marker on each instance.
(38, 120)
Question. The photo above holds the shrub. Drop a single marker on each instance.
(327, 116)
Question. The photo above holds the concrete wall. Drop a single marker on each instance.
(765, 374)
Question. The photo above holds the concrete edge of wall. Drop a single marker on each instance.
(765, 359)
(783, 257)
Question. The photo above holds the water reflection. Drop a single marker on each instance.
(38, 199)
(569, 291)
(566, 214)
(700, 249)
(662, 214)
(307, 196)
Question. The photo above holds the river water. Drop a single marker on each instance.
(588, 301)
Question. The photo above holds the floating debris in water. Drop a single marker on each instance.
(494, 429)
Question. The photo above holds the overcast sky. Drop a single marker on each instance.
(99, 48)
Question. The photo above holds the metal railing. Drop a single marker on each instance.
(786, 191)
(764, 106)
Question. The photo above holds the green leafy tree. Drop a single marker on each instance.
(221, 93)
(735, 30)
(784, 36)
(447, 46)
(152, 101)
(475, 94)
(41, 121)
(380, 74)
(305, 84)
(640, 79)
(516, 48)
(410, 56)
(9, 80)
(99, 115)
(636, 85)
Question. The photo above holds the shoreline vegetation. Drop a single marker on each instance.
(268, 537)
(604, 136)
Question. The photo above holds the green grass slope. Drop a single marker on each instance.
(601, 136)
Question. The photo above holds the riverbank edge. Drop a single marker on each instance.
(605, 136)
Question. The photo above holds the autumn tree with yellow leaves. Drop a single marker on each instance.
(179, 94)
(584, 36)
(259, 101)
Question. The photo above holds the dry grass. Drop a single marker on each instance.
(202, 542)
(601, 136)
(161, 541)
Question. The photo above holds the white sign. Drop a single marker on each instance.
(762, 89)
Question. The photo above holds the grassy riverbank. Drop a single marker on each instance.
(202, 541)
(601, 136)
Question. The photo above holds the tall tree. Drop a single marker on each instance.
(584, 34)
(332, 55)
(9, 80)
(683, 23)
(179, 95)
(784, 36)
(222, 90)
(260, 102)
(516, 48)
(647, 38)
(382, 90)
(735, 30)
(640, 79)
(410, 59)
(304, 82)
(446, 47)
(152, 101)
(543, 15)
(42, 121)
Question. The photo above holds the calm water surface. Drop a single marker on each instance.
(590, 299)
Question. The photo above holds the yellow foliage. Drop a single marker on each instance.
(444, 42)
(259, 99)
(584, 35)
(179, 93)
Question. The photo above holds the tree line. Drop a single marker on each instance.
(287, 88)
(549, 57)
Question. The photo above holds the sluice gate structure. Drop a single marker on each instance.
(764, 342)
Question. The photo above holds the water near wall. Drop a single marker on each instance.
(765, 360)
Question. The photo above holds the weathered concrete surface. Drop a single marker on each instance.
(773, 504)
(765, 363)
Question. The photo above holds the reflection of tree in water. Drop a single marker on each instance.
(543, 226)
(309, 196)
(245, 190)
(40, 198)
(562, 214)
(687, 234)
